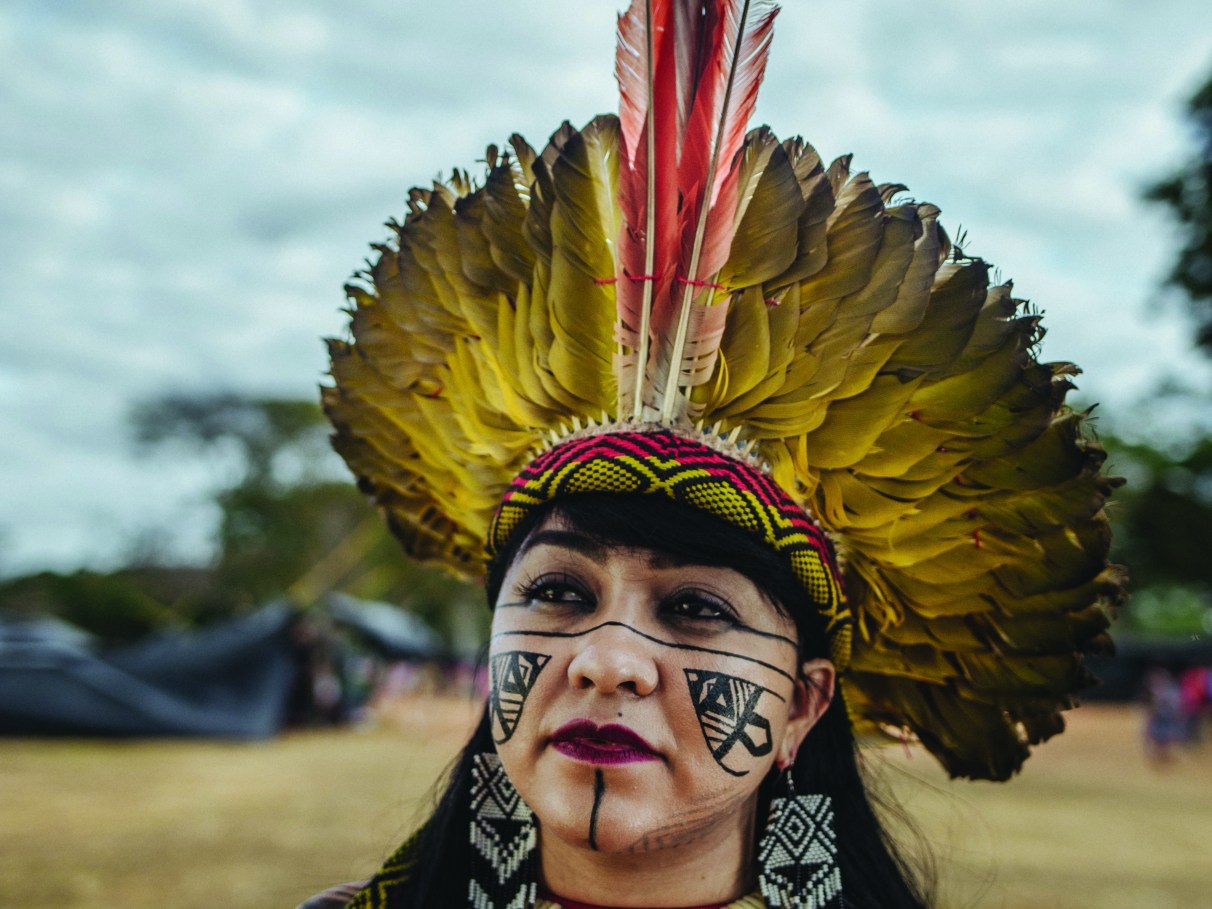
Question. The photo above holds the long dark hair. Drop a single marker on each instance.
(874, 874)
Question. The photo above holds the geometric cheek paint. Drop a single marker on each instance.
(513, 675)
(727, 708)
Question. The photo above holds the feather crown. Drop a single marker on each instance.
(665, 271)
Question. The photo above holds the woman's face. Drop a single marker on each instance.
(638, 703)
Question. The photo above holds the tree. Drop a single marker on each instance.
(291, 521)
(1162, 520)
(1163, 517)
(1188, 194)
(292, 524)
(118, 607)
(276, 440)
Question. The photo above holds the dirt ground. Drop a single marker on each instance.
(197, 825)
(1090, 823)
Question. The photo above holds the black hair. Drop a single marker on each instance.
(874, 874)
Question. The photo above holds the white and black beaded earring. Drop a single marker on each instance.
(797, 855)
(504, 872)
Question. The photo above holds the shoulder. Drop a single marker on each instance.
(334, 897)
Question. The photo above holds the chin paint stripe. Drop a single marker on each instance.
(599, 790)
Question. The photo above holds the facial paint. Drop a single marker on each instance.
(735, 626)
(599, 789)
(727, 710)
(513, 676)
(676, 646)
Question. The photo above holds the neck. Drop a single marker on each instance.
(715, 867)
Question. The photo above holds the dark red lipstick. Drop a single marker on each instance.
(583, 740)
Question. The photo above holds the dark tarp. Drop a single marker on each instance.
(229, 681)
(387, 629)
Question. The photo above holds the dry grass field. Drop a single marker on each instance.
(136, 825)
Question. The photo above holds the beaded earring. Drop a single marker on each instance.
(797, 855)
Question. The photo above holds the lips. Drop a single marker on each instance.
(583, 740)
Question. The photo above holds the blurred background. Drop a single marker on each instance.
(184, 188)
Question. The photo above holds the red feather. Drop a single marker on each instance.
(688, 73)
(733, 64)
(645, 67)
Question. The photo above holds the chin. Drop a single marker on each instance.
(632, 808)
(634, 819)
(611, 834)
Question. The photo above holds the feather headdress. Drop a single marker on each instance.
(666, 272)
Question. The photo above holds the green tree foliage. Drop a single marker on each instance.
(1188, 195)
(291, 524)
(1162, 520)
(118, 608)
(1167, 520)
(278, 515)
(275, 440)
(292, 521)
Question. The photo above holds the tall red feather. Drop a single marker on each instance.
(733, 63)
(646, 69)
(688, 73)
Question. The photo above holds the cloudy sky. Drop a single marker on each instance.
(186, 184)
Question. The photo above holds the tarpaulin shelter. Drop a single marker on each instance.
(390, 631)
(240, 679)
(229, 681)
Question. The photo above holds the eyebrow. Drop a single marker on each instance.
(567, 539)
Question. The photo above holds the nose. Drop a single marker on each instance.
(614, 658)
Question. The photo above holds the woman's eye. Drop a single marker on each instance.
(555, 591)
(688, 606)
(555, 594)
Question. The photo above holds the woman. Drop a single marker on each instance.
(658, 372)
(668, 694)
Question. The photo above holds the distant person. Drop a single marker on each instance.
(1165, 719)
(1195, 684)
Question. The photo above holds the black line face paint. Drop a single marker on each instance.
(676, 646)
(599, 789)
(782, 638)
(736, 626)
(513, 676)
(727, 709)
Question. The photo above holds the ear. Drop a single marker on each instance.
(809, 701)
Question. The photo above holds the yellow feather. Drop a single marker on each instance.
(765, 243)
